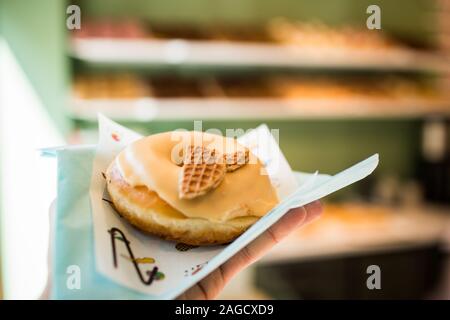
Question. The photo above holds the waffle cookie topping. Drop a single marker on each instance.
(204, 169)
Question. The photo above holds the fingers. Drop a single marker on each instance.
(193, 293)
(213, 284)
(208, 288)
(314, 210)
(261, 245)
(45, 295)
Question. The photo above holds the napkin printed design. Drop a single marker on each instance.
(194, 269)
(153, 274)
(165, 269)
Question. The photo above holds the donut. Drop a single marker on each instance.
(191, 187)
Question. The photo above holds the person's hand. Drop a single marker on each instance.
(213, 284)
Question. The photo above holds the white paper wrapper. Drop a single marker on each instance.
(165, 269)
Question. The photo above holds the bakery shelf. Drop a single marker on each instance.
(147, 109)
(112, 51)
(397, 229)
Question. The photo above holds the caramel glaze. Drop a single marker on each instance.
(152, 162)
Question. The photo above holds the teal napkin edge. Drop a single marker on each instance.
(74, 235)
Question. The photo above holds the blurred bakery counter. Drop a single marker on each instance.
(329, 258)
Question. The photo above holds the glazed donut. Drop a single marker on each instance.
(160, 187)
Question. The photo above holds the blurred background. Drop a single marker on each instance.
(337, 91)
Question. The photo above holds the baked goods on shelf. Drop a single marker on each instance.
(317, 34)
(110, 86)
(106, 28)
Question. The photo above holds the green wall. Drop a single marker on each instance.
(36, 33)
